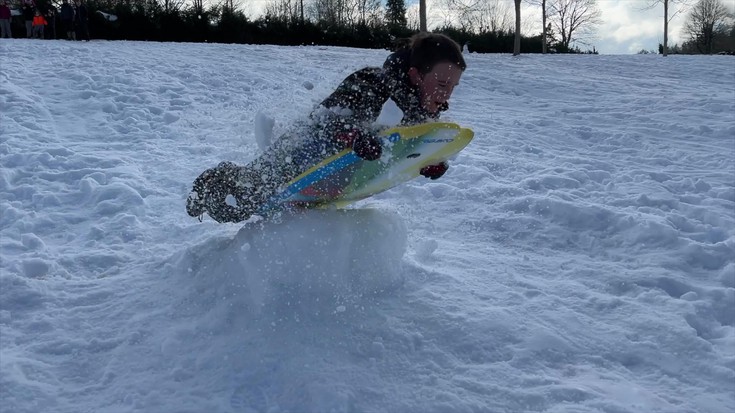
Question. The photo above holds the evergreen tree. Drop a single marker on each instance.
(395, 14)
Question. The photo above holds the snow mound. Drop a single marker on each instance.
(330, 258)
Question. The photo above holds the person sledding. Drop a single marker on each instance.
(419, 78)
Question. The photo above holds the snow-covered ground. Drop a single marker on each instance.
(579, 255)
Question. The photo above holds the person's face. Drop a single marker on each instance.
(436, 86)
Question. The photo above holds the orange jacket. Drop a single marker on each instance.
(39, 21)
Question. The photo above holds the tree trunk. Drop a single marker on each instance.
(666, 27)
(543, 20)
(517, 43)
(422, 15)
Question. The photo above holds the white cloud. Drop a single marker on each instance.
(628, 25)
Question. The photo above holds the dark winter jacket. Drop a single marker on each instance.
(80, 14)
(5, 12)
(28, 12)
(67, 12)
(359, 99)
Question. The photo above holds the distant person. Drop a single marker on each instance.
(81, 20)
(67, 20)
(419, 78)
(5, 16)
(51, 20)
(39, 23)
(28, 11)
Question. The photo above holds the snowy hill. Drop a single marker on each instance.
(579, 255)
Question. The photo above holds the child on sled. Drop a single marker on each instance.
(419, 78)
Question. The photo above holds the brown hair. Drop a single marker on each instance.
(428, 49)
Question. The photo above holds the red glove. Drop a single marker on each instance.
(434, 171)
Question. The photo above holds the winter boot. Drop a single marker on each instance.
(211, 191)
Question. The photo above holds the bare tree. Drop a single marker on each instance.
(574, 18)
(169, 6)
(331, 12)
(479, 16)
(544, 15)
(228, 5)
(370, 11)
(667, 18)
(422, 15)
(706, 19)
(198, 6)
(346, 13)
(544, 42)
(283, 10)
(517, 41)
(412, 19)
